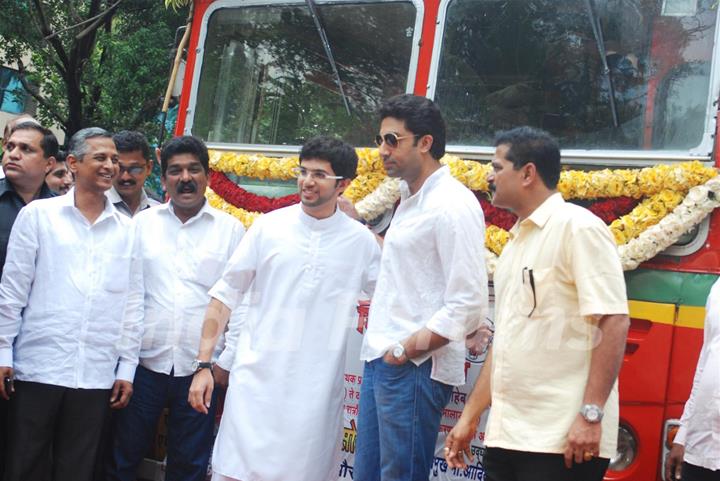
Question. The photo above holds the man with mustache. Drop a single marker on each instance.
(304, 267)
(128, 193)
(60, 179)
(184, 245)
(432, 292)
(70, 319)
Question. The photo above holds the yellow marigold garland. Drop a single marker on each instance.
(496, 238)
(646, 214)
(363, 185)
(243, 215)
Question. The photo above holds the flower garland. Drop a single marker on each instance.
(246, 217)
(610, 209)
(239, 197)
(646, 214)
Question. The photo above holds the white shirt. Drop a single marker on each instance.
(304, 277)
(70, 300)
(432, 275)
(145, 202)
(180, 263)
(700, 423)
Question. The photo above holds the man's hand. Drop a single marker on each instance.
(201, 390)
(583, 441)
(457, 443)
(478, 341)
(121, 393)
(673, 466)
(6, 373)
(345, 205)
(388, 358)
(221, 376)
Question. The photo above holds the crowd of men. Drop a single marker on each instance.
(112, 301)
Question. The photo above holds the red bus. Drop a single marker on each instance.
(624, 85)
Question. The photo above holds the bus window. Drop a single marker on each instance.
(589, 71)
(266, 78)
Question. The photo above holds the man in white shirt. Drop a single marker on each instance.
(70, 319)
(184, 246)
(304, 267)
(695, 455)
(128, 191)
(432, 292)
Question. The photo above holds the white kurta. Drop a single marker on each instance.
(282, 417)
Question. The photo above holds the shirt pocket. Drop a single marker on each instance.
(535, 291)
(116, 273)
(207, 267)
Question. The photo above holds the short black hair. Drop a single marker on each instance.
(131, 141)
(421, 117)
(186, 144)
(528, 144)
(49, 142)
(342, 157)
(61, 156)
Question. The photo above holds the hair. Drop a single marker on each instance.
(186, 144)
(22, 118)
(342, 157)
(48, 143)
(528, 144)
(421, 117)
(128, 141)
(77, 147)
(61, 156)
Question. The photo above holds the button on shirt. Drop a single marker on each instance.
(70, 298)
(432, 275)
(145, 202)
(555, 278)
(10, 205)
(181, 262)
(700, 423)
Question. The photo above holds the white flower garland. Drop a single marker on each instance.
(698, 203)
(380, 200)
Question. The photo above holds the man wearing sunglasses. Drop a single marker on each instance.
(432, 292)
(128, 193)
(303, 267)
(560, 327)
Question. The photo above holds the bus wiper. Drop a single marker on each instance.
(328, 51)
(600, 42)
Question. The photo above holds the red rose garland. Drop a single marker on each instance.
(239, 197)
(610, 209)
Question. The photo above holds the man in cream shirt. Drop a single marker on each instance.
(561, 322)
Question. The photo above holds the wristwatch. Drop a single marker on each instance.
(592, 413)
(398, 351)
(197, 365)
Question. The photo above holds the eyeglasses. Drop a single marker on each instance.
(302, 173)
(528, 273)
(134, 170)
(391, 139)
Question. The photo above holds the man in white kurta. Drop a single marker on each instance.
(305, 267)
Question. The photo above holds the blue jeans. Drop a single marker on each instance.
(400, 411)
(189, 433)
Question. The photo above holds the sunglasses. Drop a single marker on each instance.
(391, 139)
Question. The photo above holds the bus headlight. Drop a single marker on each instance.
(626, 450)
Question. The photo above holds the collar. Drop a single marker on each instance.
(206, 209)
(68, 200)
(541, 214)
(6, 186)
(320, 224)
(114, 196)
(429, 183)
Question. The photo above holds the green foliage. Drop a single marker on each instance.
(92, 62)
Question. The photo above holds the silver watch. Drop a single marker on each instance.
(398, 351)
(592, 413)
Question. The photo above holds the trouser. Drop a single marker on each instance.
(54, 432)
(690, 472)
(508, 465)
(189, 433)
(400, 411)
(4, 408)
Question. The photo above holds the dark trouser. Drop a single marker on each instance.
(507, 465)
(690, 472)
(4, 407)
(54, 432)
(189, 434)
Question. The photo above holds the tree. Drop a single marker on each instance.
(91, 62)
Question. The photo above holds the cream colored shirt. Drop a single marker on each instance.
(544, 340)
